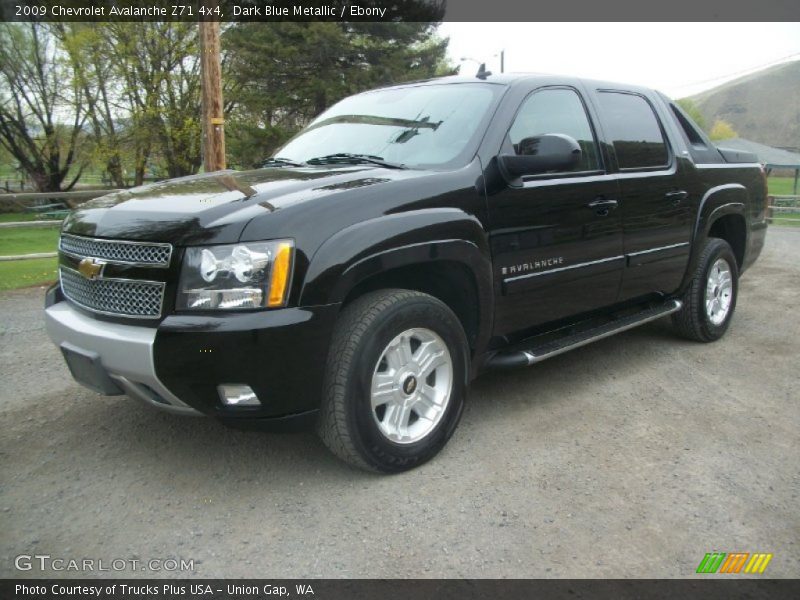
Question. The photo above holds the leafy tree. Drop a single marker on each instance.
(41, 110)
(722, 130)
(158, 67)
(690, 108)
(281, 75)
(87, 49)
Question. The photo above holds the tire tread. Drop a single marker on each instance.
(353, 324)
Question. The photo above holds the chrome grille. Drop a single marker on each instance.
(122, 297)
(117, 251)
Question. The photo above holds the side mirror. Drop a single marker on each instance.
(541, 153)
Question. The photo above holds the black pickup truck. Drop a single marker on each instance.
(407, 240)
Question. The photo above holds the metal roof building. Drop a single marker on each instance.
(771, 158)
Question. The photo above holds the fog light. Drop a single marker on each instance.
(236, 394)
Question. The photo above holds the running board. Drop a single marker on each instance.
(535, 354)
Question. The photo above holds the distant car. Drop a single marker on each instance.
(405, 241)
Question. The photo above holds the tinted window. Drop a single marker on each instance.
(420, 125)
(630, 122)
(556, 111)
(699, 148)
(690, 133)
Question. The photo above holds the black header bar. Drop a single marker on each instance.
(421, 589)
(398, 10)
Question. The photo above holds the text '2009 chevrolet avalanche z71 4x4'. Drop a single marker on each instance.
(407, 240)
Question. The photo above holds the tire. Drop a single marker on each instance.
(696, 320)
(370, 342)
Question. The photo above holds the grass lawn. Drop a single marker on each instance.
(781, 186)
(28, 240)
(23, 273)
(16, 217)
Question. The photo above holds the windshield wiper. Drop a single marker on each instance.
(349, 158)
(277, 161)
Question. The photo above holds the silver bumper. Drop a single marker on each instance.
(125, 353)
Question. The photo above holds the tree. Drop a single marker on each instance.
(88, 49)
(690, 108)
(284, 74)
(158, 67)
(722, 130)
(41, 110)
(144, 105)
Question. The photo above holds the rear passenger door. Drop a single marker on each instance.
(655, 203)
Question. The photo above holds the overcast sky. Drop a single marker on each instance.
(680, 59)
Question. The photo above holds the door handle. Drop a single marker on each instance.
(677, 196)
(602, 206)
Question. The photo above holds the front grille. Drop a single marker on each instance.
(122, 297)
(116, 251)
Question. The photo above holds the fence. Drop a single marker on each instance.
(784, 209)
(787, 208)
(51, 205)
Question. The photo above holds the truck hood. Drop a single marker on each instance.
(216, 207)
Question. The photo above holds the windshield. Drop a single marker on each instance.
(428, 125)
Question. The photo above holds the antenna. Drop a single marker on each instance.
(482, 72)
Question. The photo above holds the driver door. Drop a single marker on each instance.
(557, 239)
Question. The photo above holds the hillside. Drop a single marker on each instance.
(763, 106)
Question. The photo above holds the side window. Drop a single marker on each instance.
(629, 120)
(556, 111)
(700, 149)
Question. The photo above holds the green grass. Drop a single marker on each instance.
(28, 240)
(17, 217)
(781, 186)
(23, 273)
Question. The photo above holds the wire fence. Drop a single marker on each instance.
(37, 209)
(784, 210)
(50, 208)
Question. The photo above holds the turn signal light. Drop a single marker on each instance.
(280, 276)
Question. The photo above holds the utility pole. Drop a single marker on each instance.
(503, 61)
(211, 90)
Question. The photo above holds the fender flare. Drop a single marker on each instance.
(727, 199)
(418, 237)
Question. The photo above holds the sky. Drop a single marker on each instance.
(679, 59)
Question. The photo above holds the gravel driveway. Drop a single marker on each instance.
(631, 457)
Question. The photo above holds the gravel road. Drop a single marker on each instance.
(631, 457)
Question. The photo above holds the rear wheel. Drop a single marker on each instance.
(709, 302)
(395, 382)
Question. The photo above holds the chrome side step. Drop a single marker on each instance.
(535, 354)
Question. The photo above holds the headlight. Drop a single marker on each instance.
(253, 275)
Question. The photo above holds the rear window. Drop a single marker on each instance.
(634, 130)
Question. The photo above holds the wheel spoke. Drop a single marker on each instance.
(383, 388)
(425, 405)
(429, 356)
(397, 419)
(394, 357)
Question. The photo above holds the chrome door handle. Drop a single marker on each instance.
(677, 196)
(602, 206)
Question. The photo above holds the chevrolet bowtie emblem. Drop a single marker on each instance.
(91, 268)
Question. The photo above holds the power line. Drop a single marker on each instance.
(742, 72)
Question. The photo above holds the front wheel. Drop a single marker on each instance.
(709, 302)
(396, 380)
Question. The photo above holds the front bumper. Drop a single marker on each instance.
(124, 353)
(179, 365)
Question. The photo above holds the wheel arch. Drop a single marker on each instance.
(721, 214)
(441, 252)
